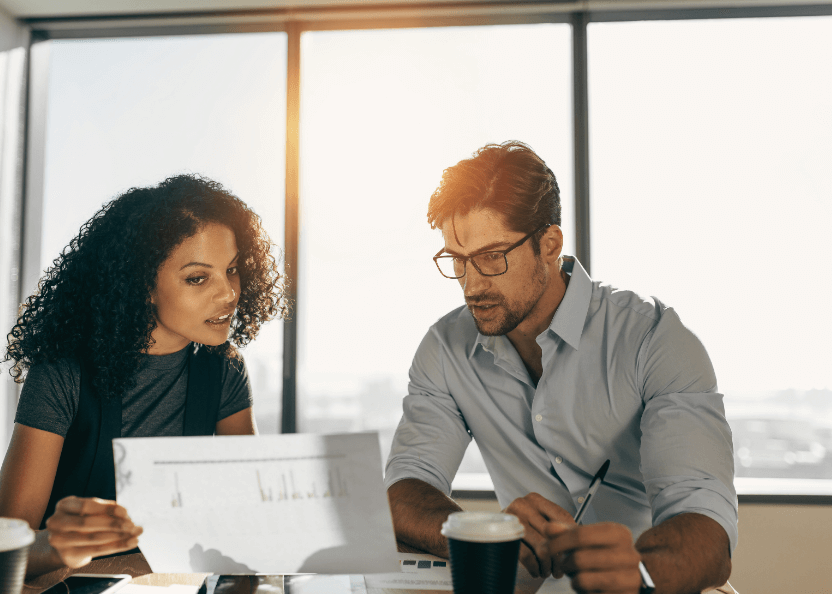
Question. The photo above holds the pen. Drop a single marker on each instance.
(593, 486)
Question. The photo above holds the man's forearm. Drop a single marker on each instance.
(687, 553)
(419, 510)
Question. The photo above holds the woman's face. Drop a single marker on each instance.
(197, 289)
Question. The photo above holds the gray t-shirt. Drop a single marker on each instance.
(154, 407)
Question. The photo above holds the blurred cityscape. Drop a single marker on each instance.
(784, 434)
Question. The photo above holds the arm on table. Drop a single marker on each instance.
(419, 510)
(685, 554)
(80, 529)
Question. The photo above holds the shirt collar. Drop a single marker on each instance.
(569, 318)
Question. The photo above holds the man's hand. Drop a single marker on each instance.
(535, 513)
(597, 558)
(83, 528)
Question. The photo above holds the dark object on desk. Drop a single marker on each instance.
(484, 551)
(81, 583)
(242, 584)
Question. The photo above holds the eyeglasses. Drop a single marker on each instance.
(490, 263)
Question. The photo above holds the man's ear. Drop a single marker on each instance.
(551, 244)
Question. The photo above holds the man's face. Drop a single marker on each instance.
(498, 303)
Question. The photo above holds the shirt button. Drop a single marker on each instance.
(558, 459)
(538, 418)
(580, 499)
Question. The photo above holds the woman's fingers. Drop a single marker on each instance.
(87, 527)
(90, 506)
(89, 539)
(64, 522)
(75, 557)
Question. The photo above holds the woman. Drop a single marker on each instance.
(131, 333)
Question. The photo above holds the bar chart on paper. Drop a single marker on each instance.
(248, 504)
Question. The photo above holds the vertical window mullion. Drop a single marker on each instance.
(290, 331)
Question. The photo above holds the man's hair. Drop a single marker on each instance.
(508, 178)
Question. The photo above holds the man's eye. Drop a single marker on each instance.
(458, 260)
(196, 280)
(491, 256)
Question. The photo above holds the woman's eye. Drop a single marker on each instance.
(196, 280)
(232, 271)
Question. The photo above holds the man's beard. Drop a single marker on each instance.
(513, 316)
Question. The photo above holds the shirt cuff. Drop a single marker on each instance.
(709, 497)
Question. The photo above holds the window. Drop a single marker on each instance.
(130, 112)
(383, 113)
(710, 146)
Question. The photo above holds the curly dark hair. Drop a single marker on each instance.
(509, 178)
(94, 303)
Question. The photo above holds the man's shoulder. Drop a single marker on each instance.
(456, 329)
(608, 297)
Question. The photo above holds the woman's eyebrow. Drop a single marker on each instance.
(237, 255)
(196, 264)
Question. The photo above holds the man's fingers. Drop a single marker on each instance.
(600, 559)
(529, 560)
(552, 512)
(605, 534)
(607, 581)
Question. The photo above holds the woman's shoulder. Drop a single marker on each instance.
(50, 395)
(63, 371)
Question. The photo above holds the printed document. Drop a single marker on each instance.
(300, 503)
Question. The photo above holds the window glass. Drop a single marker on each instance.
(131, 112)
(710, 149)
(383, 113)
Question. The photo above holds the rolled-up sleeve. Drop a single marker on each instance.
(432, 436)
(686, 449)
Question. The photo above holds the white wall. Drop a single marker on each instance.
(782, 548)
(13, 40)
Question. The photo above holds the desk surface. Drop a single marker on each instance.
(136, 566)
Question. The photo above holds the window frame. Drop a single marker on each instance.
(295, 22)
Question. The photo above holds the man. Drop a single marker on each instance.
(553, 374)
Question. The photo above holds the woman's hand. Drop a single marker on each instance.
(87, 527)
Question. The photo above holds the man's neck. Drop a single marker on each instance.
(524, 336)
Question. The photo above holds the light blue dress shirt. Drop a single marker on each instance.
(623, 379)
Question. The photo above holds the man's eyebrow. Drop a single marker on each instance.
(237, 255)
(486, 248)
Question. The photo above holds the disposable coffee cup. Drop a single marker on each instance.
(484, 550)
(15, 539)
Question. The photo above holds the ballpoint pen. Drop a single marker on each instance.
(593, 487)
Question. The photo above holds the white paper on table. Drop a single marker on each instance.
(414, 576)
(299, 503)
(325, 584)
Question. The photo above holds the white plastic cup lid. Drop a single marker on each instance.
(15, 534)
(482, 527)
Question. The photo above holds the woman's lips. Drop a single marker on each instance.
(219, 321)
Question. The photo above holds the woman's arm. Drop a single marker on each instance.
(80, 529)
(240, 423)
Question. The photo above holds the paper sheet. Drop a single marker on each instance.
(417, 572)
(299, 503)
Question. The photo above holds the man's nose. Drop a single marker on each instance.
(473, 282)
